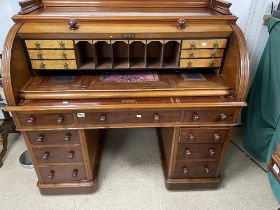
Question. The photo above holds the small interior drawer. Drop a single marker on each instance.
(205, 135)
(62, 174)
(66, 137)
(196, 63)
(49, 44)
(52, 54)
(202, 53)
(204, 44)
(54, 64)
(199, 151)
(196, 169)
(51, 155)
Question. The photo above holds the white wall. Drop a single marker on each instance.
(7, 9)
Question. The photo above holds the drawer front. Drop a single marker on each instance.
(55, 119)
(219, 116)
(53, 137)
(196, 63)
(52, 54)
(196, 169)
(54, 64)
(214, 53)
(62, 174)
(129, 117)
(198, 135)
(206, 44)
(49, 44)
(58, 155)
(199, 151)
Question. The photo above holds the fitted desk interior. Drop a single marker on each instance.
(72, 69)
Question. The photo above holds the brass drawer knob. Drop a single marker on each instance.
(211, 63)
(223, 117)
(51, 174)
(73, 25)
(60, 119)
(41, 138)
(66, 66)
(191, 54)
(216, 137)
(213, 54)
(188, 152)
(212, 152)
(103, 117)
(40, 55)
(37, 45)
(191, 137)
(64, 56)
(46, 156)
(207, 170)
(62, 45)
(31, 120)
(185, 170)
(156, 117)
(181, 24)
(75, 172)
(67, 137)
(193, 45)
(71, 154)
(195, 117)
(190, 64)
(42, 66)
(216, 45)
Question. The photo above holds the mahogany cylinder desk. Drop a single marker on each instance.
(74, 68)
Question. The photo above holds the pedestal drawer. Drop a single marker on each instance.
(205, 135)
(49, 155)
(62, 174)
(196, 169)
(55, 119)
(53, 137)
(199, 151)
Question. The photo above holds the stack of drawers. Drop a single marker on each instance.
(51, 54)
(202, 53)
(58, 156)
(199, 152)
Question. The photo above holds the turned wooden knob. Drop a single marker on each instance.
(181, 24)
(46, 156)
(51, 174)
(216, 137)
(191, 137)
(195, 117)
(31, 120)
(75, 172)
(60, 119)
(207, 170)
(188, 152)
(212, 152)
(156, 117)
(223, 117)
(73, 25)
(71, 154)
(185, 170)
(103, 117)
(41, 138)
(67, 137)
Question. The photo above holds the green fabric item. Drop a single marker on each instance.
(260, 120)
